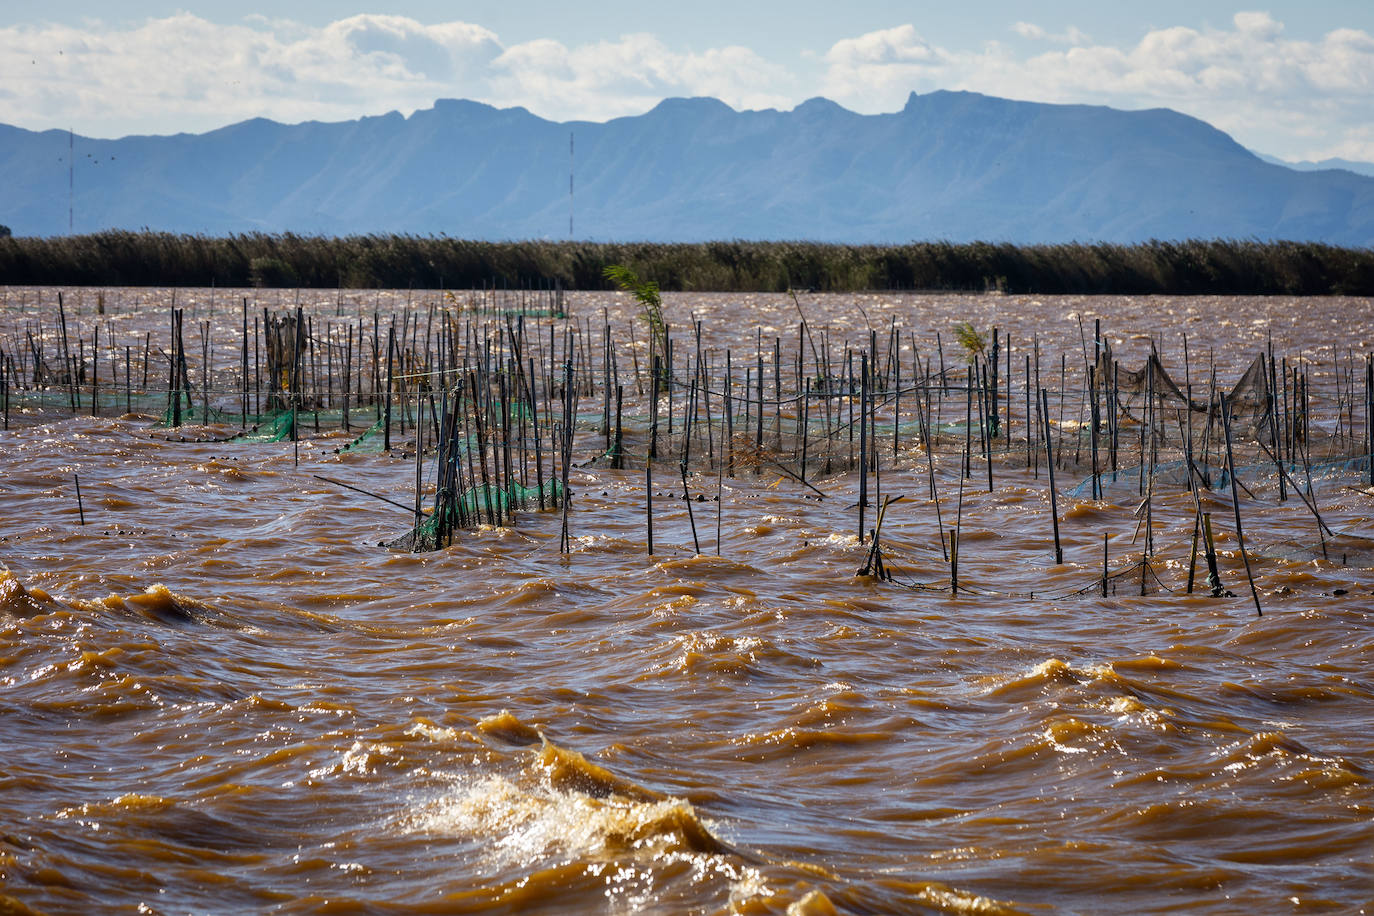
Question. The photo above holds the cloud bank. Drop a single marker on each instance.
(1299, 99)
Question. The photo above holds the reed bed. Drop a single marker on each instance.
(496, 395)
(1189, 267)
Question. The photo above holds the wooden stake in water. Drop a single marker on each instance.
(653, 408)
(1030, 425)
(1049, 464)
(863, 441)
(174, 377)
(993, 416)
(419, 470)
(954, 556)
(954, 535)
(1368, 415)
(682, 465)
(1192, 553)
(390, 349)
(1094, 420)
(243, 366)
(204, 372)
(1235, 501)
(66, 355)
(986, 423)
(930, 463)
(95, 373)
(968, 422)
(873, 564)
(805, 427)
(729, 417)
(1210, 552)
(1105, 561)
(564, 543)
(79, 507)
(720, 500)
(649, 505)
(296, 391)
(618, 443)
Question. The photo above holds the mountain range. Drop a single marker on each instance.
(1306, 165)
(958, 166)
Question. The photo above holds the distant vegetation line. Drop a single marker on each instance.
(427, 262)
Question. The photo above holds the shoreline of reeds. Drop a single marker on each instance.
(1190, 267)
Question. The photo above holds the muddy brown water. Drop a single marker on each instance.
(220, 695)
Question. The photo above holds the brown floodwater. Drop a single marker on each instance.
(220, 693)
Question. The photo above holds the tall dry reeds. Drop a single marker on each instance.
(1194, 267)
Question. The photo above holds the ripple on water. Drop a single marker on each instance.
(220, 694)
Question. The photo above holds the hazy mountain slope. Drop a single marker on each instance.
(1350, 165)
(949, 165)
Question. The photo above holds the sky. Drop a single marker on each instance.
(1291, 79)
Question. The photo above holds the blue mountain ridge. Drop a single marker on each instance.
(1350, 165)
(958, 166)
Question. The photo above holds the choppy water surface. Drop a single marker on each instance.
(220, 695)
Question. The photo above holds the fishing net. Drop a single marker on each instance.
(1254, 477)
(277, 425)
(1133, 386)
(1248, 399)
(267, 427)
(272, 428)
(1345, 548)
(107, 400)
(482, 504)
(371, 442)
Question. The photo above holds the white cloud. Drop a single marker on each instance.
(1307, 99)
(897, 46)
(1071, 36)
(875, 71)
(1297, 98)
(195, 74)
(630, 75)
(198, 74)
(1258, 25)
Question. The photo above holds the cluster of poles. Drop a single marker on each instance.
(318, 365)
(489, 389)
